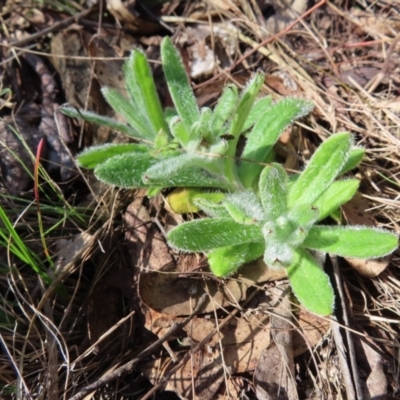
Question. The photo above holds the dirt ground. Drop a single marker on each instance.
(94, 304)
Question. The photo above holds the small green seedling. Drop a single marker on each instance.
(279, 223)
(188, 147)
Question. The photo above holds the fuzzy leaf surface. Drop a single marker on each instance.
(146, 94)
(125, 170)
(211, 233)
(337, 194)
(272, 188)
(278, 254)
(179, 131)
(185, 177)
(266, 132)
(211, 208)
(224, 110)
(246, 101)
(121, 105)
(227, 260)
(351, 241)
(91, 157)
(178, 84)
(179, 169)
(320, 172)
(355, 157)
(259, 108)
(204, 125)
(92, 117)
(311, 284)
(244, 207)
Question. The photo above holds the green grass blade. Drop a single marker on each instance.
(352, 241)
(320, 172)
(11, 238)
(178, 84)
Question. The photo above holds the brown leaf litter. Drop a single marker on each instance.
(126, 314)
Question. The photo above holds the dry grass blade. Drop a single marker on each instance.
(343, 58)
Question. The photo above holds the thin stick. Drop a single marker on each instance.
(126, 368)
(53, 28)
(263, 43)
(194, 350)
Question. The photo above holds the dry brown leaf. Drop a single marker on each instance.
(68, 249)
(129, 19)
(108, 72)
(258, 272)
(202, 370)
(312, 329)
(169, 294)
(242, 339)
(75, 74)
(274, 375)
(377, 383)
(146, 245)
(242, 342)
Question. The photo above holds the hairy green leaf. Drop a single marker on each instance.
(179, 131)
(320, 172)
(92, 156)
(92, 117)
(211, 233)
(246, 101)
(355, 157)
(351, 241)
(227, 260)
(125, 170)
(311, 285)
(304, 215)
(182, 171)
(337, 194)
(202, 128)
(224, 109)
(178, 84)
(213, 209)
(258, 110)
(265, 133)
(278, 254)
(171, 168)
(244, 207)
(140, 84)
(124, 108)
(272, 188)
